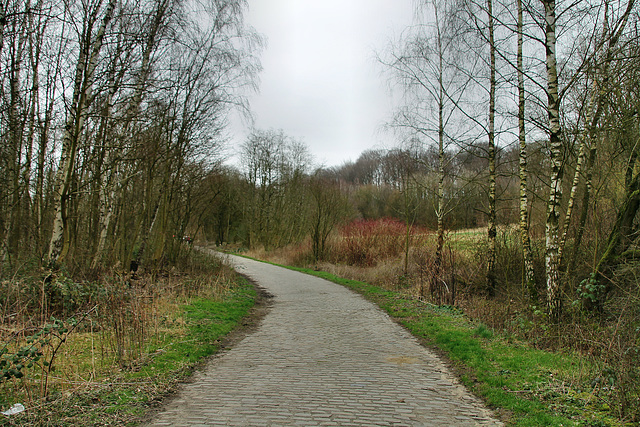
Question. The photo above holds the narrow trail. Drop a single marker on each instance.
(323, 355)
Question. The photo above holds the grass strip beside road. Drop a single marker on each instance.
(206, 321)
(125, 397)
(525, 386)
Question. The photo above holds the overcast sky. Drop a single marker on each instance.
(321, 82)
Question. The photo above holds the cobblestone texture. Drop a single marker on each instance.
(323, 356)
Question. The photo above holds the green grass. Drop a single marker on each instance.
(206, 321)
(525, 386)
(125, 397)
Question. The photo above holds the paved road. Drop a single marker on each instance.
(323, 356)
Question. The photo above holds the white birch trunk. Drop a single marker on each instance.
(552, 265)
(436, 286)
(58, 246)
(491, 226)
(529, 273)
(587, 143)
(574, 185)
(108, 195)
(105, 212)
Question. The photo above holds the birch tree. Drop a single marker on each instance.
(103, 101)
(552, 245)
(623, 131)
(555, 231)
(491, 224)
(152, 35)
(598, 82)
(529, 273)
(15, 121)
(424, 66)
(478, 24)
(91, 42)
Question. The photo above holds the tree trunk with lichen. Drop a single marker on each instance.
(491, 223)
(552, 243)
(529, 273)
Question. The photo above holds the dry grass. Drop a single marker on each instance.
(373, 253)
(122, 319)
(284, 256)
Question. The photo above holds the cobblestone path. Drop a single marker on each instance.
(322, 356)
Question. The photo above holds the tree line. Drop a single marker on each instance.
(112, 116)
(556, 79)
(515, 112)
(520, 112)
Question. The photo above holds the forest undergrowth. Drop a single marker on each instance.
(607, 339)
(102, 349)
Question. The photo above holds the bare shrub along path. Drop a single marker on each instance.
(323, 355)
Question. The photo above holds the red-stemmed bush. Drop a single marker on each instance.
(366, 242)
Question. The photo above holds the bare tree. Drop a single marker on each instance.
(90, 46)
(555, 236)
(136, 96)
(152, 35)
(424, 65)
(406, 172)
(275, 165)
(330, 208)
(491, 225)
(622, 129)
(598, 78)
(529, 273)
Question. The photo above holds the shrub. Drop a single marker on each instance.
(367, 242)
(121, 315)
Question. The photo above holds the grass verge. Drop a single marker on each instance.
(524, 386)
(125, 397)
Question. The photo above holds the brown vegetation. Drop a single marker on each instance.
(110, 166)
(63, 336)
(611, 340)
